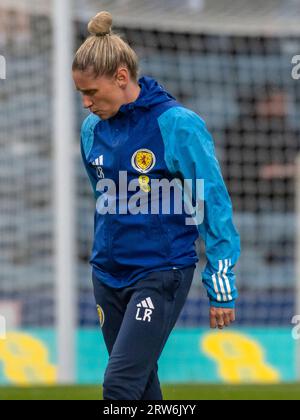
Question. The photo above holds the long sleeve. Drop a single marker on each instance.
(87, 139)
(189, 151)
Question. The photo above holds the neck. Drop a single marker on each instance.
(132, 92)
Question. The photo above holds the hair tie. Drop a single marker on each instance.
(102, 33)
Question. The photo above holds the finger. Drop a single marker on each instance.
(232, 315)
(212, 318)
(213, 321)
(220, 319)
(227, 320)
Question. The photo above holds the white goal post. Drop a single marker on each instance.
(64, 189)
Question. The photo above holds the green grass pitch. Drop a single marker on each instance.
(171, 392)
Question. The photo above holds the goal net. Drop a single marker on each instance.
(231, 62)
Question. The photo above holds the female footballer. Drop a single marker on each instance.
(136, 140)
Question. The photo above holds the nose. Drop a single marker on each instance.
(87, 103)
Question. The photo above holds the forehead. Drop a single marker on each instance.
(85, 80)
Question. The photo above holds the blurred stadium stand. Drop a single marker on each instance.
(215, 57)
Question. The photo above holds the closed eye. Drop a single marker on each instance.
(88, 92)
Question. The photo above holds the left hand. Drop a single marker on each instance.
(221, 317)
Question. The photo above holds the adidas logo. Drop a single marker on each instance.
(99, 161)
(144, 310)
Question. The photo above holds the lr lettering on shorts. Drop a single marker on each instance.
(144, 310)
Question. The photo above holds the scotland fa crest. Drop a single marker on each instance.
(101, 315)
(143, 161)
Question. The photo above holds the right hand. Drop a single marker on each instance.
(221, 317)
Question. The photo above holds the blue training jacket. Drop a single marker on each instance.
(156, 138)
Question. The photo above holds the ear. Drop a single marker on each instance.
(122, 77)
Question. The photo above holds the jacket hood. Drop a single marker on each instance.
(151, 94)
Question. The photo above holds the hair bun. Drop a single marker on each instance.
(100, 24)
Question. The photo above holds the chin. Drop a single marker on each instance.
(105, 115)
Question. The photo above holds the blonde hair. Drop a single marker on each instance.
(104, 51)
